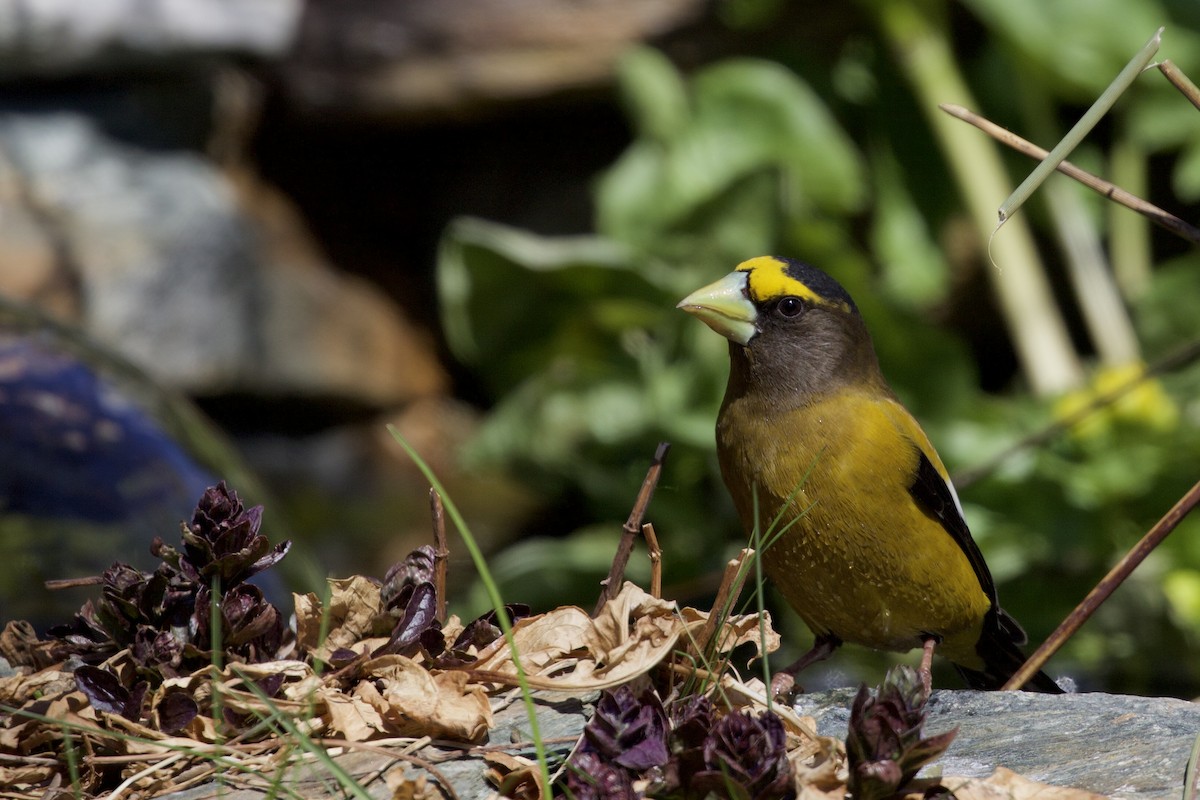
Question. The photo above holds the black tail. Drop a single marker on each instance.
(1000, 649)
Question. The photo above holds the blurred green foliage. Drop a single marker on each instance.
(589, 365)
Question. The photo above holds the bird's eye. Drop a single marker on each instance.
(790, 306)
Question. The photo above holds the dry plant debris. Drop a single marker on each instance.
(172, 676)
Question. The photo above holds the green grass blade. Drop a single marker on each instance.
(305, 742)
(1191, 775)
(493, 592)
(1081, 128)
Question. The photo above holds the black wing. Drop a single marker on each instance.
(1000, 640)
(932, 494)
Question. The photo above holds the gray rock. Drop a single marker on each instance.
(164, 264)
(207, 280)
(383, 58)
(561, 719)
(53, 38)
(1116, 745)
(1126, 747)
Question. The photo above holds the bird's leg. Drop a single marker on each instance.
(783, 681)
(926, 669)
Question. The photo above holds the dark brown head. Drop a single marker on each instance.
(794, 332)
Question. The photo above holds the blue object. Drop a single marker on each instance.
(72, 445)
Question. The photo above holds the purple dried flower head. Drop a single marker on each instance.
(884, 745)
(590, 777)
(223, 540)
(629, 730)
(747, 751)
(692, 719)
(251, 628)
(158, 650)
(417, 567)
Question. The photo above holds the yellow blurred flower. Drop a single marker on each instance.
(1139, 401)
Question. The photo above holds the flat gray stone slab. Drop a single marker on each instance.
(1116, 745)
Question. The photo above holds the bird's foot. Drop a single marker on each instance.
(784, 687)
(926, 668)
(783, 683)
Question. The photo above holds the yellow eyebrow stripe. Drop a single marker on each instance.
(768, 278)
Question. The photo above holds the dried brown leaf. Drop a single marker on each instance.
(819, 769)
(416, 702)
(405, 788)
(1004, 784)
(355, 612)
(16, 690)
(352, 717)
(21, 777)
(513, 776)
(738, 630)
(141, 739)
(19, 643)
(566, 650)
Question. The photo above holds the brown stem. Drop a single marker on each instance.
(655, 560)
(629, 531)
(1111, 581)
(1180, 81)
(1158, 216)
(72, 583)
(441, 552)
(731, 586)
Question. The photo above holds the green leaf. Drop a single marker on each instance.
(756, 130)
(512, 302)
(654, 93)
(779, 119)
(914, 270)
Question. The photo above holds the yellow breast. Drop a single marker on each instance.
(859, 558)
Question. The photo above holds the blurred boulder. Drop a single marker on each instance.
(50, 38)
(212, 285)
(383, 58)
(133, 138)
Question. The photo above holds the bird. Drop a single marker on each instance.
(865, 535)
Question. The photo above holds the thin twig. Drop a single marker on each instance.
(731, 586)
(416, 761)
(1179, 358)
(441, 552)
(1111, 581)
(137, 776)
(1180, 81)
(1158, 216)
(612, 584)
(655, 560)
(73, 583)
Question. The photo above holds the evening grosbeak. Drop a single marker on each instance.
(871, 545)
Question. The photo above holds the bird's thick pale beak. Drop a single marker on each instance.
(724, 307)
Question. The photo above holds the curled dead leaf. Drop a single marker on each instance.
(411, 700)
(513, 776)
(18, 689)
(355, 612)
(406, 788)
(566, 650)
(23, 777)
(738, 630)
(1004, 784)
(352, 717)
